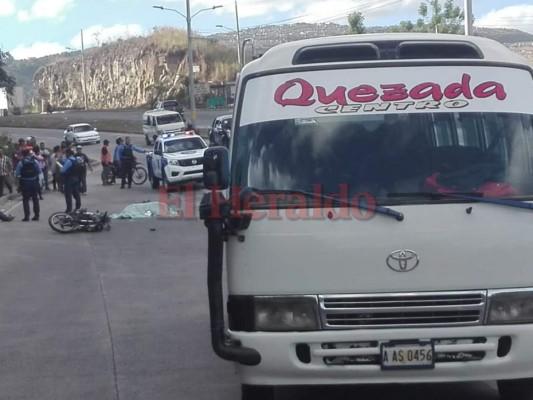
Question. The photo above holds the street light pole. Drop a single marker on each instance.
(188, 18)
(468, 17)
(192, 89)
(239, 56)
(83, 72)
(243, 52)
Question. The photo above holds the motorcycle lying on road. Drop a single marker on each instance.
(79, 220)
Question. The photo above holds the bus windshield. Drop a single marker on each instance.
(487, 152)
(177, 145)
(169, 119)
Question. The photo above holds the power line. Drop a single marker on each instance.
(285, 20)
(276, 22)
(367, 11)
(366, 8)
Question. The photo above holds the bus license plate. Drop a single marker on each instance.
(407, 355)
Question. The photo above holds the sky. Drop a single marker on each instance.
(35, 28)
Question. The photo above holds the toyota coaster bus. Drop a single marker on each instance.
(374, 215)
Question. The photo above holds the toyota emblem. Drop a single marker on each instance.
(403, 260)
(194, 162)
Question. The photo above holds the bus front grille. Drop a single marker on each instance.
(402, 310)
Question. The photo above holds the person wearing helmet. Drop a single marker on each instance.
(26, 143)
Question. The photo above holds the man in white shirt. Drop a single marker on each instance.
(6, 170)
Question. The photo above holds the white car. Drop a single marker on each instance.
(81, 133)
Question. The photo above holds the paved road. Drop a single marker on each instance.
(203, 117)
(123, 315)
(53, 137)
(130, 120)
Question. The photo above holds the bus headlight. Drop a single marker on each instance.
(514, 307)
(285, 313)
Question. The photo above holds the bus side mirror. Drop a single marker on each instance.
(216, 168)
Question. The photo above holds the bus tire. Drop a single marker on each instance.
(516, 389)
(251, 392)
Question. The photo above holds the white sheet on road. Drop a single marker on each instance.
(145, 210)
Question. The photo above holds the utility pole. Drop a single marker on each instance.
(239, 56)
(243, 50)
(84, 79)
(188, 18)
(192, 91)
(468, 18)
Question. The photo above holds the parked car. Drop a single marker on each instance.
(220, 131)
(81, 133)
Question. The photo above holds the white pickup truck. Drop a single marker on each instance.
(176, 158)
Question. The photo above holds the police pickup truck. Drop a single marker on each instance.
(176, 158)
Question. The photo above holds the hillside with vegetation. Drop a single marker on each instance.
(125, 73)
(137, 71)
(267, 36)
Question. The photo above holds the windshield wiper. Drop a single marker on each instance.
(472, 196)
(379, 209)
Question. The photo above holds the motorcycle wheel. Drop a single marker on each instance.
(109, 177)
(62, 222)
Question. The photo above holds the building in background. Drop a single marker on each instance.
(11, 105)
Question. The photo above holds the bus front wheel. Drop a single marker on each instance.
(516, 389)
(251, 392)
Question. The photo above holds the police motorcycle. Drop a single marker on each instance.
(225, 133)
(79, 220)
(221, 134)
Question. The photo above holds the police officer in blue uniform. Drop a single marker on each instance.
(71, 173)
(127, 160)
(28, 170)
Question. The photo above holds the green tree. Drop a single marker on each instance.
(6, 81)
(440, 17)
(6, 144)
(434, 16)
(356, 21)
(407, 26)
